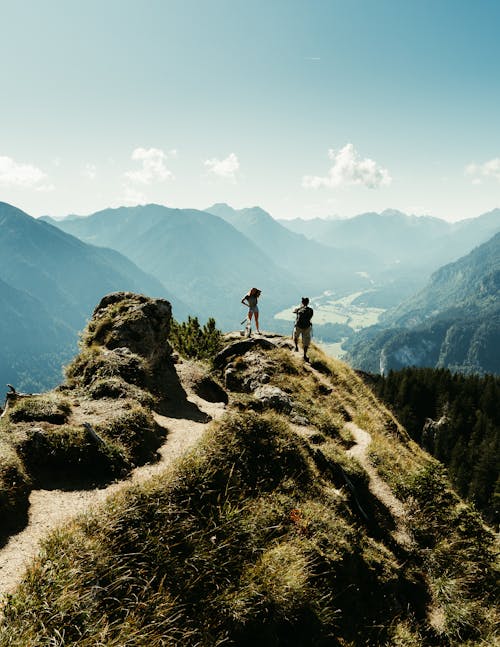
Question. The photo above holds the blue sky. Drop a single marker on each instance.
(306, 108)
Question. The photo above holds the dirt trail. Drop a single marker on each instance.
(377, 486)
(51, 508)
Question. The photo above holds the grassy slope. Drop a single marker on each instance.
(256, 538)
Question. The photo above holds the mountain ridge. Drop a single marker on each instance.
(304, 515)
(61, 277)
(453, 323)
(197, 253)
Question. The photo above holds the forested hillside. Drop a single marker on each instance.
(457, 419)
(454, 322)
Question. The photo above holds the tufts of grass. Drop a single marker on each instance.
(69, 457)
(404, 633)
(116, 388)
(137, 432)
(100, 327)
(244, 543)
(94, 364)
(15, 487)
(36, 408)
(253, 538)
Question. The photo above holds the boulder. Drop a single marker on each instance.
(272, 397)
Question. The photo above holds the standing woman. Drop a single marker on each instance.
(250, 299)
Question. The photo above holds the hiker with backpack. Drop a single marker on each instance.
(303, 326)
(250, 299)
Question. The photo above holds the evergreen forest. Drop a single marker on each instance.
(457, 419)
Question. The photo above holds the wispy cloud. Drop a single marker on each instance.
(226, 168)
(152, 166)
(89, 171)
(14, 173)
(349, 169)
(491, 168)
(45, 188)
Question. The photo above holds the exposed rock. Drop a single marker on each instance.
(274, 398)
(240, 348)
(432, 429)
(133, 321)
(299, 420)
(127, 338)
(195, 377)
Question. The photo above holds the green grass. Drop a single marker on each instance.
(255, 537)
(136, 432)
(15, 487)
(47, 407)
(247, 541)
(67, 456)
(95, 363)
(115, 388)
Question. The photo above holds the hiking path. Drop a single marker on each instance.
(49, 509)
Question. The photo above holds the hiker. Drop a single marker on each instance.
(250, 299)
(303, 326)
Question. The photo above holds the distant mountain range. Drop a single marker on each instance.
(52, 273)
(49, 284)
(399, 238)
(205, 261)
(410, 248)
(453, 323)
(313, 265)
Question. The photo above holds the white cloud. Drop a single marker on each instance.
(14, 173)
(46, 188)
(152, 167)
(90, 171)
(349, 169)
(226, 168)
(491, 168)
(132, 197)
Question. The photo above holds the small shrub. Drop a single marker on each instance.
(191, 340)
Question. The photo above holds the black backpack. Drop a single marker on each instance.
(304, 316)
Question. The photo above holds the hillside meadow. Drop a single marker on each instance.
(278, 528)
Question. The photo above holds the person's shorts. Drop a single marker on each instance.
(305, 332)
(254, 309)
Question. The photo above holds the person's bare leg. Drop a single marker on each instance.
(249, 323)
(257, 321)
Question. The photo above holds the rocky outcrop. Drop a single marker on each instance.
(136, 322)
(431, 431)
(125, 349)
(272, 397)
